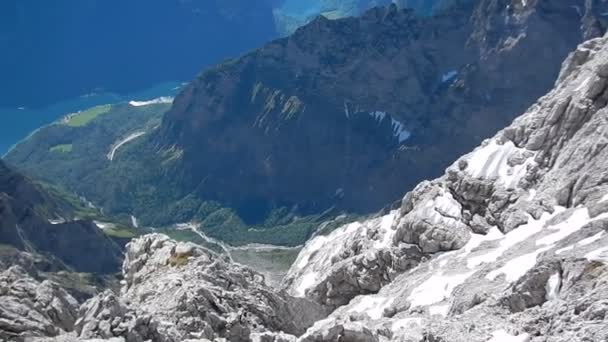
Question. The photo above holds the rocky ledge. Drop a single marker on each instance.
(510, 244)
(175, 291)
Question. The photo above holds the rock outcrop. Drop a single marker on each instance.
(29, 308)
(179, 291)
(510, 244)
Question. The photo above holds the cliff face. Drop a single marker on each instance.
(351, 113)
(32, 220)
(510, 243)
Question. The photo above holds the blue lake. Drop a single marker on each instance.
(17, 123)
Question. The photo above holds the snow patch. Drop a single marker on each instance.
(600, 254)
(443, 208)
(583, 84)
(436, 289)
(386, 224)
(134, 221)
(322, 249)
(399, 130)
(583, 242)
(378, 116)
(512, 238)
(574, 223)
(491, 162)
(448, 76)
(552, 287)
(517, 267)
(603, 199)
(308, 280)
(159, 100)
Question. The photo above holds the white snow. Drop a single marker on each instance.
(346, 111)
(399, 131)
(443, 208)
(512, 238)
(159, 100)
(386, 224)
(517, 267)
(121, 143)
(583, 242)
(323, 249)
(134, 222)
(503, 336)
(572, 224)
(477, 239)
(604, 198)
(553, 285)
(307, 281)
(591, 239)
(532, 194)
(436, 289)
(600, 254)
(56, 221)
(583, 84)
(491, 162)
(449, 76)
(565, 249)
(378, 116)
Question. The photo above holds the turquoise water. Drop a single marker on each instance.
(17, 123)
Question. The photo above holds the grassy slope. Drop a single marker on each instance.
(83, 118)
(62, 148)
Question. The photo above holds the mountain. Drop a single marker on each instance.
(345, 107)
(342, 116)
(289, 15)
(34, 220)
(510, 244)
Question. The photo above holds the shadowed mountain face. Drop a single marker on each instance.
(34, 221)
(64, 49)
(353, 112)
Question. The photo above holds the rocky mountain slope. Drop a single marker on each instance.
(34, 220)
(511, 244)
